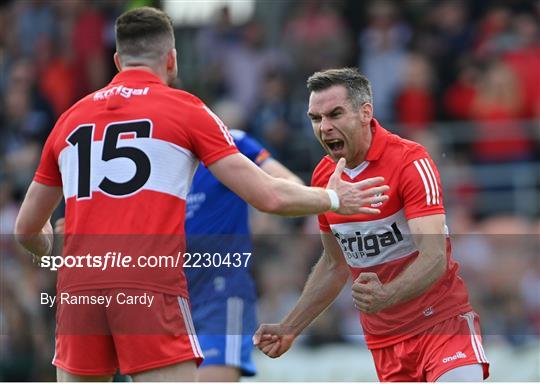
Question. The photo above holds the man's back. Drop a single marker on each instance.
(125, 157)
(127, 154)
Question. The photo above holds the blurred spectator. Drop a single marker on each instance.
(56, 77)
(245, 65)
(213, 40)
(34, 21)
(9, 209)
(493, 34)
(382, 45)
(524, 59)
(21, 137)
(88, 44)
(447, 38)
(316, 37)
(530, 286)
(414, 105)
(458, 98)
(211, 44)
(495, 108)
(17, 350)
(271, 121)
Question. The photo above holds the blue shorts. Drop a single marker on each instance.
(225, 327)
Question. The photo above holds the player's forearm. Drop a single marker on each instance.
(324, 284)
(39, 244)
(428, 267)
(267, 193)
(292, 199)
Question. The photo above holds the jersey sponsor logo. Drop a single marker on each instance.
(458, 355)
(368, 243)
(427, 175)
(362, 246)
(125, 92)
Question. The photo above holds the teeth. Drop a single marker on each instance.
(333, 141)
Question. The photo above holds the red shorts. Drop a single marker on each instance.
(95, 337)
(425, 357)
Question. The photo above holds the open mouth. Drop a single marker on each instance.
(335, 144)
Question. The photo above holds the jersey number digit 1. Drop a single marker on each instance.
(82, 138)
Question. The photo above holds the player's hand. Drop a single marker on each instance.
(47, 236)
(369, 294)
(357, 197)
(273, 339)
(60, 226)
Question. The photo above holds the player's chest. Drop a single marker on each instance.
(391, 206)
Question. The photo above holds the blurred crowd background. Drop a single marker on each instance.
(461, 77)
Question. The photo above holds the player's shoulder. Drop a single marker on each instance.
(184, 97)
(323, 171)
(79, 107)
(401, 151)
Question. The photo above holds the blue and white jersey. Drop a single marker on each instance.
(217, 222)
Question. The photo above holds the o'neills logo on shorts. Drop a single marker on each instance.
(459, 355)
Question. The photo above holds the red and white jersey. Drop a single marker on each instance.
(125, 157)
(382, 243)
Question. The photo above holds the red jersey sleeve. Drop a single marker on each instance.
(210, 138)
(420, 186)
(318, 179)
(48, 171)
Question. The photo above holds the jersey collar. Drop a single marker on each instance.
(137, 75)
(378, 141)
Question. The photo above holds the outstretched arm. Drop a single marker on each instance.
(274, 195)
(324, 284)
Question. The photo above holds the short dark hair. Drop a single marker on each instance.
(357, 85)
(143, 33)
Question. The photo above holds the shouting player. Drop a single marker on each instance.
(414, 308)
(123, 157)
(222, 293)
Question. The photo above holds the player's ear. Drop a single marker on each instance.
(171, 60)
(117, 61)
(366, 112)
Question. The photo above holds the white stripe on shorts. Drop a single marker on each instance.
(475, 340)
(233, 339)
(186, 315)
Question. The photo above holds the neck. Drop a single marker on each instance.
(146, 68)
(365, 139)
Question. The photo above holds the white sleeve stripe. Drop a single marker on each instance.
(423, 162)
(434, 180)
(426, 186)
(221, 126)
